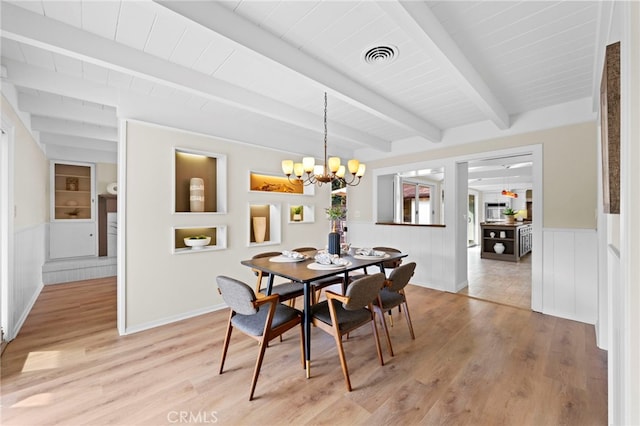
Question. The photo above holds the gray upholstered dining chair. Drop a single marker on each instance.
(288, 291)
(338, 315)
(393, 295)
(262, 319)
(388, 264)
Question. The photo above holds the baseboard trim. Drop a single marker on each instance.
(172, 319)
(16, 328)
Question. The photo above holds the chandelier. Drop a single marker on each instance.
(330, 171)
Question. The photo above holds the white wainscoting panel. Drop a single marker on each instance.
(569, 263)
(617, 345)
(570, 274)
(28, 258)
(424, 245)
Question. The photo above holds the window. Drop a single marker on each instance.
(416, 203)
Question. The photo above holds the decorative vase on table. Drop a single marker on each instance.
(334, 237)
(196, 194)
(259, 228)
(334, 243)
(498, 248)
(510, 219)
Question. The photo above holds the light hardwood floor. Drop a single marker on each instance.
(473, 362)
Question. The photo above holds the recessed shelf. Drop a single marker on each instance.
(218, 235)
(72, 191)
(269, 214)
(212, 169)
(270, 182)
(301, 213)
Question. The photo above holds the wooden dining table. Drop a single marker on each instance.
(301, 271)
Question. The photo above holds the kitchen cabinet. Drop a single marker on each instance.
(68, 239)
(516, 238)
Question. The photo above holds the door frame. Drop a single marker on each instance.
(6, 226)
(536, 255)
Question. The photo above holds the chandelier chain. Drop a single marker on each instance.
(325, 133)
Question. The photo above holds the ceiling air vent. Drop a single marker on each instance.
(380, 55)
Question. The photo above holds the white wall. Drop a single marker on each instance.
(554, 288)
(106, 173)
(29, 214)
(159, 286)
(624, 288)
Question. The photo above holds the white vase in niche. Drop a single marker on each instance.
(196, 194)
(498, 248)
(259, 228)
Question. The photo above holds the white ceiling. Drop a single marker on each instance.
(255, 71)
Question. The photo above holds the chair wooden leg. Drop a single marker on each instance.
(343, 361)
(408, 318)
(375, 335)
(292, 303)
(384, 327)
(256, 371)
(225, 345)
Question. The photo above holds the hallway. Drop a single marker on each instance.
(498, 281)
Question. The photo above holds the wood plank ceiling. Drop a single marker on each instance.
(255, 71)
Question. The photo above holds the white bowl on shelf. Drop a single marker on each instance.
(197, 243)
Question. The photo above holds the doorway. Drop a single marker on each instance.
(501, 180)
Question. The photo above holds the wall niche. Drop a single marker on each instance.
(209, 167)
(264, 224)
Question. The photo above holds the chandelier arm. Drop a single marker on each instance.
(357, 182)
(309, 180)
(353, 179)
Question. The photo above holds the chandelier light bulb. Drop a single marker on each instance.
(287, 167)
(353, 166)
(298, 170)
(334, 164)
(308, 164)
